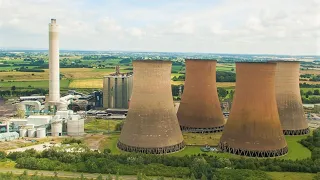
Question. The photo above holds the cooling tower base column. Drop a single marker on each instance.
(162, 150)
(253, 153)
(202, 130)
(296, 132)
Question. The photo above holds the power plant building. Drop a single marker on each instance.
(199, 109)
(289, 101)
(117, 89)
(151, 125)
(254, 128)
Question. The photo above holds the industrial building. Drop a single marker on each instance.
(254, 128)
(151, 125)
(199, 109)
(290, 108)
(117, 89)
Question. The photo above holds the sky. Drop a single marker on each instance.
(290, 27)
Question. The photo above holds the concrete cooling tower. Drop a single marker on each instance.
(289, 101)
(253, 128)
(151, 125)
(199, 109)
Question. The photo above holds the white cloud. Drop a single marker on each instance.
(231, 26)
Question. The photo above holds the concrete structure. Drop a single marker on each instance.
(41, 132)
(54, 72)
(39, 120)
(23, 132)
(289, 101)
(253, 128)
(75, 126)
(151, 125)
(56, 127)
(32, 133)
(199, 109)
(117, 89)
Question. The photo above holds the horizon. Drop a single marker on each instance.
(221, 27)
(133, 51)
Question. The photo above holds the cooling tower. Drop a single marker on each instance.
(151, 125)
(253, 128)
(199, 109)
(288, 96)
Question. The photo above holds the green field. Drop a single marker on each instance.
(101, 125)
(33, 84)
(291, 176)
(296, 150)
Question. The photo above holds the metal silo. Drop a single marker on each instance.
(41, 132)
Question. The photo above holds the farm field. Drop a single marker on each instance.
(87, 83)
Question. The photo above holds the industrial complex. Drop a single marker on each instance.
(199, 109)
(266, 106)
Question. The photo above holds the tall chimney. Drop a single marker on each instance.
(54, 71)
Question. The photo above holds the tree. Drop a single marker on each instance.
(109, 177)
(203, 177)
(222, 92)
(316, 177)
(99, 177)
(316, 92)
(315, 153)
(309, 93)
(13, 88)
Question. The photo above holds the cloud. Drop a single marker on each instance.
(230, 26)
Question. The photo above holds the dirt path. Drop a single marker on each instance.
(93, 140)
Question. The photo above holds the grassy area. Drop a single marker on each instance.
(111, 142)
(33, 84)
(101, 125)
(201, 139)
(296, 150)
(290, 175)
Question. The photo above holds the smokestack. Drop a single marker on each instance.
(54, 71)
(151, 125)
(253, 128)
(199, 109)
(289, 101)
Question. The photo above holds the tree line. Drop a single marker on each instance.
(221, 76)
(201, 165)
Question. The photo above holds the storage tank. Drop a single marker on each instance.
(56, 128)
(151, 125)
(199, 110)
(31, 133)
(41, 132)
(254, 128)
(23, 132)
(75, 127)
(289, 101)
